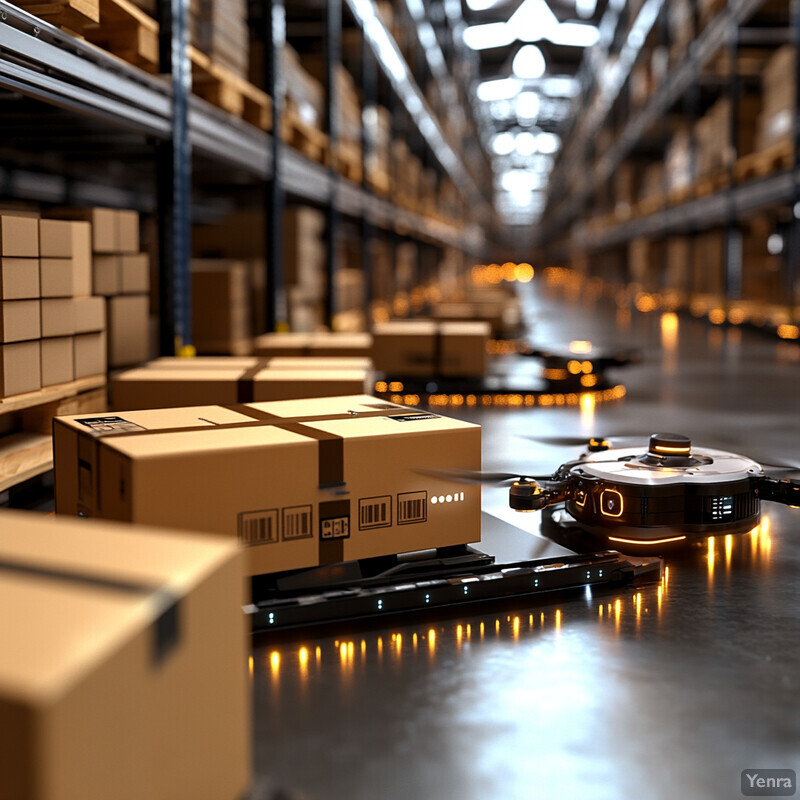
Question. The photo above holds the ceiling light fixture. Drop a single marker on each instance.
(529, 63)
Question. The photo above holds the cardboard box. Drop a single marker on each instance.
(89, 354)
(164, 387)
(90, 314)
(462, 349)
(20, 320)
(19, 236)
(308, 363)
(55, 238)
(127, 319)
(134, 273)
(57, 277)
(313, 344)
(82, 257)
(221, 313)
(20, 368)
(127, 231)
(106, 275)
(405, 347)
(299, 482)
(58, 361)
(19, 278)
(103, 223)
(58, 317)
(123, 672)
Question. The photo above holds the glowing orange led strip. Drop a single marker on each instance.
(649, 541)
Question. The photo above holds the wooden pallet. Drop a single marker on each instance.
(128, 33)
(308, 139)
(649, 205)
(758, 165)
(71, 15)
(226, 90)
(348, 161)
(711, 184)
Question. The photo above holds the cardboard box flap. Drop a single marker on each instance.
(81, 588)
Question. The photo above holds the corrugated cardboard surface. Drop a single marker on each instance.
(57, 277)
(89, 352)
(20, 368)
(58, 316)
(90, 314)
(313, 344)
(207, 380)
(19, 236)
(19, 278)
(19, 320)
(127, 318)
(124, 667)
(302, 482)
(58, 361)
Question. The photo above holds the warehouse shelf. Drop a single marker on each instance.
(581, 182)
(24, 456)
(50, 394)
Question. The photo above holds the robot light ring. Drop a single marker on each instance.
(646, 541)
(660, 448)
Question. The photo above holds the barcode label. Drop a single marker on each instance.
(337, 528)
(412, 507)
(296, 523)
(375, 512)
(258, 527)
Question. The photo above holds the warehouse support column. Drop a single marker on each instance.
(333, 59)
(274, 33)
(369, 112)
(732, 255)
(174, 163)
(791, 250)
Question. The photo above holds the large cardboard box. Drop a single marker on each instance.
(313, 344)
(19, 236)
(123, 671)
(89, 354)
(19, 278)
(127, 318)
(20, 368)
(221, 312)
(462, 349)
(20, 320)
(405, 347)
(103, 224)
(185, 385)
(299, 482)
(58, 361)
(308, 363)
(127, 231)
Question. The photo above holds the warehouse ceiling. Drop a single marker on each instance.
(531, 54)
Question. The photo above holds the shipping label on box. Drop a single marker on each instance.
(300, 483)
(140, 688)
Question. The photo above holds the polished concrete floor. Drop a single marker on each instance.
(665, 691)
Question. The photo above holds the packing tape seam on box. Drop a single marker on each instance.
(165, 602)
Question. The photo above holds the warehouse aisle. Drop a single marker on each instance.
(676, 687)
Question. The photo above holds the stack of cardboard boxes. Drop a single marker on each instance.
(304, 266)
(52, 330)
(220, 302)
(121, 274)
(218, 28)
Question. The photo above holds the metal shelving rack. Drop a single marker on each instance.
(565, 229)
(139, 111)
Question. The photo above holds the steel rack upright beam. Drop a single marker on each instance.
(333, 60)
(173, 179)
(369, 87)
(274, 31)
